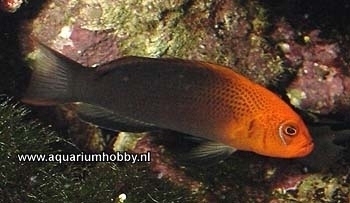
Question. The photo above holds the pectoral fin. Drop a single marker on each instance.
(110, 120)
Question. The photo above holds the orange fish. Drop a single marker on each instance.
(192, 97)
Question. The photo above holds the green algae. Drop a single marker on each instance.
(160, 32)
(67, 182)
(317, 188)
(296, 96)
(177, 28)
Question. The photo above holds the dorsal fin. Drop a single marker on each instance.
(107, 67)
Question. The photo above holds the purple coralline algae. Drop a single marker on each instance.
(10, 6)
(321, 85)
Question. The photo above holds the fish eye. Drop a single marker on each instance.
(287, 131)
(290, 130)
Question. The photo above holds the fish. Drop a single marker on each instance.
(197, 98)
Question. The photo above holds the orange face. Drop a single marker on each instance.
(265, 124)
(278, 135)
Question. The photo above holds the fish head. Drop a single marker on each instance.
(279, 135)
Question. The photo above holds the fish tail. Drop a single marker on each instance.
(51, 79)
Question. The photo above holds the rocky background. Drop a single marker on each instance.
(297, 49)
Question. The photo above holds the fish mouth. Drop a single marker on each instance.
(306, 149)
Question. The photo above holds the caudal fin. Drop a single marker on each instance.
(51, 78)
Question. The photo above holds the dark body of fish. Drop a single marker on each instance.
(141, 92)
